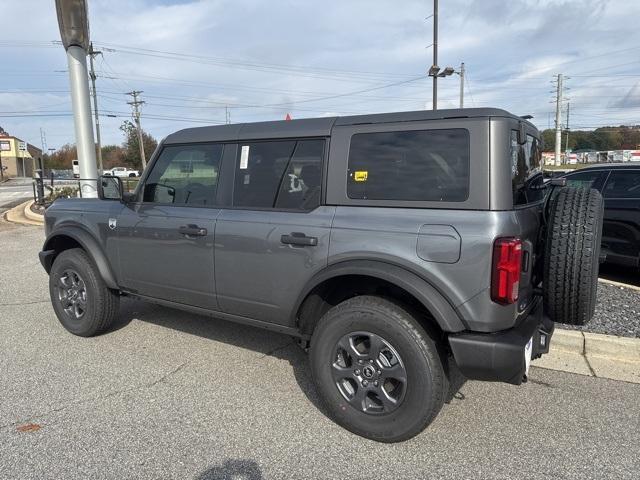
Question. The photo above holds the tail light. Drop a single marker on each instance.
(505, 274)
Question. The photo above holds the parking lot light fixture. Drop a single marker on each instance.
(446, 72)
(73, 22)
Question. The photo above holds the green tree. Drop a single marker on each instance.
(131, 145)
(61, 158)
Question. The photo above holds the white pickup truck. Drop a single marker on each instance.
(122, 172)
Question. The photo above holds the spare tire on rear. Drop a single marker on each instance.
(572, 255)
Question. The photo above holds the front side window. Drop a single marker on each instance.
(185, 175)
(279, 174)
(418, 165)
(623, 184)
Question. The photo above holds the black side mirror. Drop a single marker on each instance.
(110, 188)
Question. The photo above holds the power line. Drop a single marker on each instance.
(302, 70)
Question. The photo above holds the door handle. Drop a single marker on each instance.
(192, 231)
(299, 239)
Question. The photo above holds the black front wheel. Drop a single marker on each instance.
(377, 370)
(82, 302)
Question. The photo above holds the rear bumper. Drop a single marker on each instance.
(500, 356)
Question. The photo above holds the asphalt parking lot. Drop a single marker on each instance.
(174, 395)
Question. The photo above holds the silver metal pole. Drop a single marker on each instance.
(80, 100)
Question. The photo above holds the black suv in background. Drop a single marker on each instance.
(619, 184)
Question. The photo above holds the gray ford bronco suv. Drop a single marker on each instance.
(404, 250)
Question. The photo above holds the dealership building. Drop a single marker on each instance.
(17, 157)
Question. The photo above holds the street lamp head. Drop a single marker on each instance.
(433, 70)
(73, 21)
(446, 72)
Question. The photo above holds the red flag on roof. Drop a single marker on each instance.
(288, 117)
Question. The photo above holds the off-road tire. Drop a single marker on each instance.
(426, 382)
(102, 303)
(572, 255)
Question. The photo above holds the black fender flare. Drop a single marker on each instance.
(443, 312)
(88, 243)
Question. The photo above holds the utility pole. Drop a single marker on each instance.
(43, 143)
(566, 145)
(43, 140)
(92, 75)
(558, 119)
(227, 115)
(136, 117)
(435, 54)
(461, 85)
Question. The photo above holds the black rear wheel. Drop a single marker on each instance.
(376, 369)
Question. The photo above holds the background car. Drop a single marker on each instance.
(620, 187)
(122, 172)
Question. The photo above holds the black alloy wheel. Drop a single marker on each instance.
(72, 294)
(369, 373)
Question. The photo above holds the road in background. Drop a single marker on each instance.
(169, 394)
(15, 191)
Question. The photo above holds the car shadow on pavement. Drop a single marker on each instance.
(268, 343)
(265, 342)
(234, 469)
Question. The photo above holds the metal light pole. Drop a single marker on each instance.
(74, 31)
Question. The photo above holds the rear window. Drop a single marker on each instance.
(417, 165)
(526, 164)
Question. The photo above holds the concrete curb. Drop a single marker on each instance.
(586, 343)
(17, 215)
(593, 354)
(620, 348)
(36, 217)
(568, 341)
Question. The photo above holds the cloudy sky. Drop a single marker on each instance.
(263, 59)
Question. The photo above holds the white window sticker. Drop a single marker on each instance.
(244, 157)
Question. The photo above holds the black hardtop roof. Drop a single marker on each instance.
(320, 127)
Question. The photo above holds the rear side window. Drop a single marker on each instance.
(282, 174)
(526, 167)
(623, 184)
(418, 165)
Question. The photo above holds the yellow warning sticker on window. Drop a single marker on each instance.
(361, 176)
